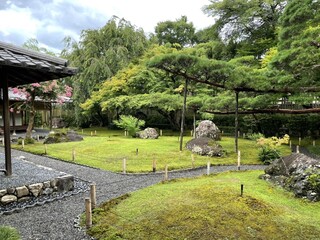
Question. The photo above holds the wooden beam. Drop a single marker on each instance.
(6, 121)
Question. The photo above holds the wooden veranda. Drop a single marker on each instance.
(19, 66)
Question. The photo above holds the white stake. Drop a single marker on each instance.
(208, 168)
(239, 159)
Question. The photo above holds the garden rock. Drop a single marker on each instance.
(208, 129)
(297, 173)
(150, 133)
(205, 146)
(70, 136)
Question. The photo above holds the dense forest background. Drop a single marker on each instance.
(259, 59)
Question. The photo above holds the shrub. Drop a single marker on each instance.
(254, 136)
(267, 155)
(269, 151)
(26, 141)
(129, 123)
(9, 233)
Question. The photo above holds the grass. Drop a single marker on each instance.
(208, 208)
(9, 233)
(107, 149)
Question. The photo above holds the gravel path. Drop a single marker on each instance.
(55, 220)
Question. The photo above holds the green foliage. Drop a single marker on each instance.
(269, 148)
(249, 27)
(267, 155)
(99, 56)
(254, 136)
(314, 181)
(176, 32)
(129, 123)
(9, 233)
(26, 141)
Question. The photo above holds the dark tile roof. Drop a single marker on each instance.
(25, 66)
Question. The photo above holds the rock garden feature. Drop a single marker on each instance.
(208, 129)
(148, 133)
(205, 146)
(297, 173)
(70, 136)
(207, 133)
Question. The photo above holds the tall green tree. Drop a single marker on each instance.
(248, 26)
(299, 44)
(179, 32)
(99, 55)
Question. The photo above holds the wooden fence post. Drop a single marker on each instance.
(208, 168)
(239, 159)
(22, 143)
(154, 165)
(73, 155)
(297, 150)
(93, 195)
(124, 165)
(166, 173)
(88, 213)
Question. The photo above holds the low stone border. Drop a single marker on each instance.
(24, 193)
(79, 186)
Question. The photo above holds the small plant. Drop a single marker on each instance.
(254, 136)
(26, 141)
(9, 233)
(130, 124)
(269, 152)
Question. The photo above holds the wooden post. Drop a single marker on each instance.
(166, 173)
(93, 195)
(137, 151)
(88, 213)
(239, 159)
(124, 165)
(22, 142)
(290, 144)
(38, 138)
(297, 150)
(73, 155)
(192, 160)
(45, 149)
(160, 132)
(2, 141)
(81, 131)
(299, 141)
(95, 132)
(154, 165)
(222, 133)
(91, 133)
(243, 135)
(208, 168)
(241, 190)
(314, 143)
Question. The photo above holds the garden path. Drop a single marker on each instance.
(55, 220)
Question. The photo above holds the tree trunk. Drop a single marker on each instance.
(183, 113)
(31, 118)
(236, 123)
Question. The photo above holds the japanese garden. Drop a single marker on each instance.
(183, 133)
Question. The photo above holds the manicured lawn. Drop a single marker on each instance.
(209, 208)
(107, 149)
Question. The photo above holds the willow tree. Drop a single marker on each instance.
(99, 55)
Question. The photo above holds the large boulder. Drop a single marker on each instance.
(150, 133)
(205, 146)
(208, 129)
(297, 173)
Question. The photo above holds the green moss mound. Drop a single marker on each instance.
(208, 208)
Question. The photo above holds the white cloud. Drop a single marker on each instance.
(51, 20)
(18, 20)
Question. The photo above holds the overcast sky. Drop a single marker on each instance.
(49, 21)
